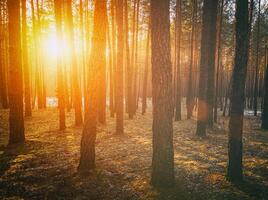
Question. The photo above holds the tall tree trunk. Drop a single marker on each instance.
(119, 85)
(178, 60)
(264, 123)
(136, 66)
(208, 47)
(128, 67)
(216, 102)
(113, 68)
(3, 57)
(16, 120)
(131, 98)
(27, 88)
(163, 154)
(256, 80)
(75, 84)
(190, 95)
(61, 93)
(146, 70)
(87, 151)
(82, 37)
(234, 169)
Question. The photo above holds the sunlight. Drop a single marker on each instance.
(50, 46)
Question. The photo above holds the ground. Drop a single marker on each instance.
(46, 166)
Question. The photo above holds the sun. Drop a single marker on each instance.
(50, 46)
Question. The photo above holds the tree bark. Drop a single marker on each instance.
(234, 169)
(208, 47)
(75, 84)
(119, 95)
(145, 78)
(87, 151)
(264, 124)
(61, 92)
(178, 59)
(27, 87)
(163, 153)
(16, 120)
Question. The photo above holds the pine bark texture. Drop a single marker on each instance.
(208, 45)
(163, 154)
(234, 169)
(16, 119)
(119, 83)
(87, 150)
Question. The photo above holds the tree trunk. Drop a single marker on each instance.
(76, 88)
(208, 47)
(131, 97)
(264, 124)
(178, 59)
(234, 169)
(216, 99)
(87, 151)
(190, 95)
(163, 154)
(119, 101)
(256, 80)
(61, 93)
(16, 120)
(145, 78)
(27, 88)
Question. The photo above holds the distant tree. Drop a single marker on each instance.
(87, 149)
(218, 60)
(256, 79)
(60, 92)
(178, 60)
(146, 73)
(3, 55)
(163, 155)
(16, 119)
(75, 84)
(234, 169)
(119, 85)
(190, 92)
(264, 123)
(27, 80)
(208, 47)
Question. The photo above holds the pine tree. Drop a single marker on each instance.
(163, 155)
(87, 150)
(234, 169)
(16, 119)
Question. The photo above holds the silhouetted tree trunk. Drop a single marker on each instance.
(256, 80)
(119, 95)
(264, 123)
(128, 67)
(190, 95)
(61, 93)
(75, 84)
(131, 79)
(208, 47)
(87, 151)
(163, 155)
(146, 70)
(136, 66)
(178, 59)
(27, 88)
(234, 169)
(113, 68)
(3, 56)
(216, 99)
(16, 120)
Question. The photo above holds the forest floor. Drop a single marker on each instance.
(45, 167)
